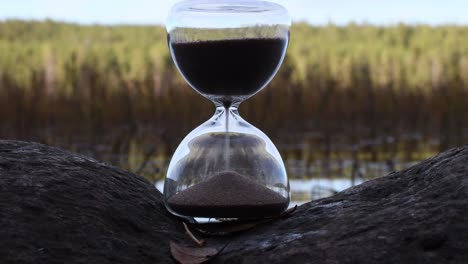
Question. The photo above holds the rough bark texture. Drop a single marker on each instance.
(58, 207)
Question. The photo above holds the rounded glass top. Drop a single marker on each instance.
(213, 14)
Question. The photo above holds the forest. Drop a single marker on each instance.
(359, 92)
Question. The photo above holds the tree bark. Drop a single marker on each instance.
(59, 207)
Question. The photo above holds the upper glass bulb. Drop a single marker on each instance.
(228, 50)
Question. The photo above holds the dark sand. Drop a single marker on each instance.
(228, 195)
(233, 67)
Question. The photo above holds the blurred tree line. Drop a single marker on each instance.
(354, 85)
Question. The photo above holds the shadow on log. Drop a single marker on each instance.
(58, 207)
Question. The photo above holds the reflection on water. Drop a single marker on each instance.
(318, 164)
(303, 191)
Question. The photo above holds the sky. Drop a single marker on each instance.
(317, 12)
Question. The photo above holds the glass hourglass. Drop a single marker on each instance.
(227, 51)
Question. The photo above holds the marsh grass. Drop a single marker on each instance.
(357, 93)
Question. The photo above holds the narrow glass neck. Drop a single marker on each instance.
(228, 101)
(229, 118)
(223, 110)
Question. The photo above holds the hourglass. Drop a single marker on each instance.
(227, 51)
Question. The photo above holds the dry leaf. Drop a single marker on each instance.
(187, 255)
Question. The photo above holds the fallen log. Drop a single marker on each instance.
(59, 207)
